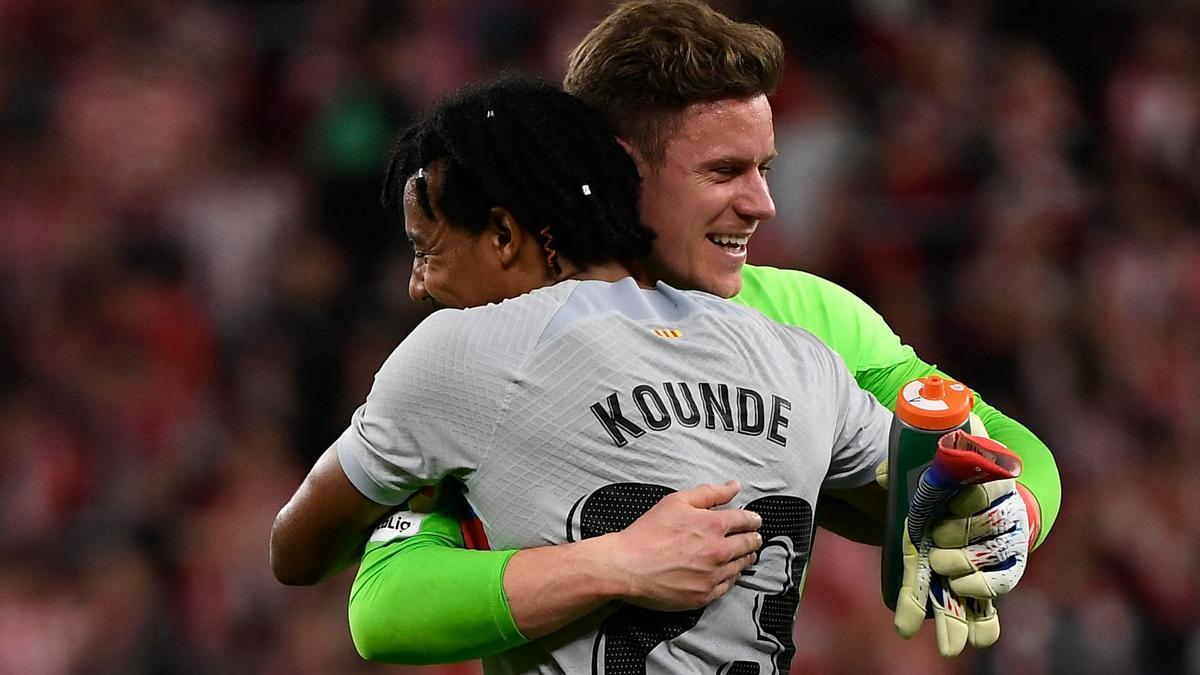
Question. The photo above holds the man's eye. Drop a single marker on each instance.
(419, 254)
(765, 169)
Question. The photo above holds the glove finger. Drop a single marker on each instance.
(990, 583)
(881, 474)
(983, 622)
(995, 553)
(949, 618)
(1005, 515)
(952, 562)
(910, 612)
(977, 498)
(914, 591)
(986, 569)
(973, 586)
(954, 532)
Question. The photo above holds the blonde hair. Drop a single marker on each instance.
(650, 59)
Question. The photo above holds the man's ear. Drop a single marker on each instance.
(643, 168)
(506, 235)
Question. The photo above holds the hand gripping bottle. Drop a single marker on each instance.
(926, 409)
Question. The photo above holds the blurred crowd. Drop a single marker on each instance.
(197, 285)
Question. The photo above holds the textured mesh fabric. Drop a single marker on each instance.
(571, 410)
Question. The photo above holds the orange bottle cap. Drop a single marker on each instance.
(934, 403)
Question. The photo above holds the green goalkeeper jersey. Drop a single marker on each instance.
(421, 597)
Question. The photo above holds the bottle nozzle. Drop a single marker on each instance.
(934, 388)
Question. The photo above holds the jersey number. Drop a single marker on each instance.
(627, 637)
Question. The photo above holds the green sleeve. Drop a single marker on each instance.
(882, 364)
(426, 599)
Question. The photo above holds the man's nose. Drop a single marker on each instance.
(755, 201)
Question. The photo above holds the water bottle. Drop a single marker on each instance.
(927, 408)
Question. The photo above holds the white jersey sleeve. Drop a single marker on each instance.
(430, 413)
(862, 426)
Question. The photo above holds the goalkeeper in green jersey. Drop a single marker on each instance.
(688, 99)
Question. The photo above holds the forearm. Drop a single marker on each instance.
(322, 528)
(1039, 474)
(423, 600)
(297, 565)
(300, 560)
(551, 586)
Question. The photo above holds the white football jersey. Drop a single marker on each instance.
(569, 411)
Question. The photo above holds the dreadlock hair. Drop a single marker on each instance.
(527, 146)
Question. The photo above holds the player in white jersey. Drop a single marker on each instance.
(572, 409)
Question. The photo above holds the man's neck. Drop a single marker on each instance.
(610, 271)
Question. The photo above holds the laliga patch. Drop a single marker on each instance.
(398, 525)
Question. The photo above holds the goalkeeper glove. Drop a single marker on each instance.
(983, 544)
(978, 553)
(957, 620)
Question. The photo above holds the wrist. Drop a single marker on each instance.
(598, 560)
(1033, 514)
(550, 586)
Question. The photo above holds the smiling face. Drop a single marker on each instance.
(456, 267)
(707, 196)
(452, 266)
